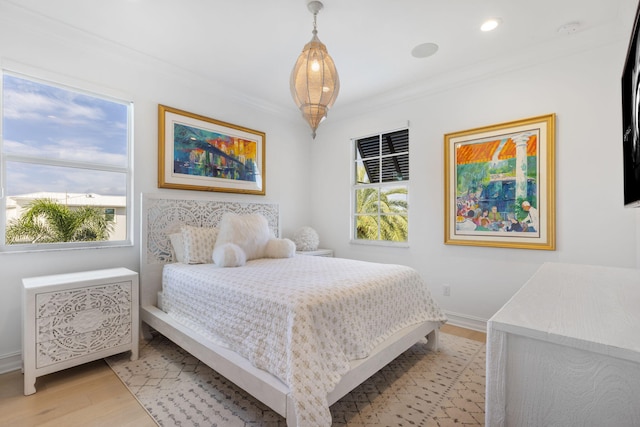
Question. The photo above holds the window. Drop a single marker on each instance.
(381, 188)
(110, 214)
(66, 167)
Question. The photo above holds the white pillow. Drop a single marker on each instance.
(250, 232)
(198, 243)
(229, 255)
(280, 248)
(178, 246)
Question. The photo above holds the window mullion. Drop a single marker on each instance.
(63, 163)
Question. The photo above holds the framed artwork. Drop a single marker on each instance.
(199, 153)
(500, 185)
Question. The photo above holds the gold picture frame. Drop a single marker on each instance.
(500, 185)
(199, 153)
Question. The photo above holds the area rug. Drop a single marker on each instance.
(419, 388)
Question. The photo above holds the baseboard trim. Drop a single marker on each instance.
(10, 362)
(466, 321)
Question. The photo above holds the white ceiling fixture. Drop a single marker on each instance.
(424, 50)
(490, 24)
(570, 28)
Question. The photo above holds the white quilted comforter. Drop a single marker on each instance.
(301, 319)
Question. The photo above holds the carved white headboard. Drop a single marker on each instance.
(164, 214)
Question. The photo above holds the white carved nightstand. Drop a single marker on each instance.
(317, 252)
(70, 319)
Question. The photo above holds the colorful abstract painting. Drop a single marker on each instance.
(205, 153)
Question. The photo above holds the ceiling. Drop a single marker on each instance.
(250, 46)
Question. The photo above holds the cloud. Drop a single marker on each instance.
(44, 107)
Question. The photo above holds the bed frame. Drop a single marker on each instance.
(165, 214)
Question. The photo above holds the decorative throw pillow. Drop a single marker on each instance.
(178, 246)
(306, 239)
(229, 255)
(198, 243)
(250, 232)
(280, 248)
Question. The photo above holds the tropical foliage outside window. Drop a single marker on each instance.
(381, 187)
(46, 221)
(66, 166)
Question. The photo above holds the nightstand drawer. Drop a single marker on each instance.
(63, 302)
(75, 346)
(80, 322)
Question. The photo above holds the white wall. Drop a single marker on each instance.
(592, 226)
(35, 44)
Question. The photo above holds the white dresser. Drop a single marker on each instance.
(565, 350)
(70, 319)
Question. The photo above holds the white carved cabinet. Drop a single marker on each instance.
(70, 319)
(565, 350)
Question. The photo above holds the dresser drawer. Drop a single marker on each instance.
(63, 302)
(80, 322)
(72, 347)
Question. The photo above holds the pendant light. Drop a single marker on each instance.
(314, 79)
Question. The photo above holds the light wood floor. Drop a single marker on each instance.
(464, 333)
(90, 395)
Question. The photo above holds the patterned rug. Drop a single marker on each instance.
(419, 388)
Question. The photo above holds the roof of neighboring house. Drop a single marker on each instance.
(70, 199)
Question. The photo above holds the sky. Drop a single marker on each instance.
(44, 122)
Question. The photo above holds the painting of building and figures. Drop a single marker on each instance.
(496, 185)
(500, 185)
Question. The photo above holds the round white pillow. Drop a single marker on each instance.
(280, 248)
(229, 255)
(306, 239)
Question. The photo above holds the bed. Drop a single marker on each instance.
(299, 344)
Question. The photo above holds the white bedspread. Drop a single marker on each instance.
(301, 319)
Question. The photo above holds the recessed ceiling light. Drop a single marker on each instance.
(490, 24)
(424, 50)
